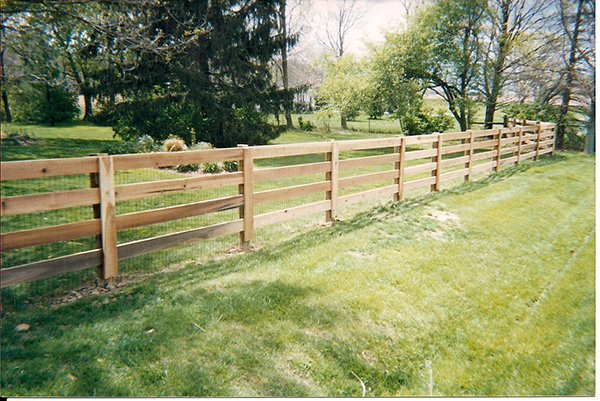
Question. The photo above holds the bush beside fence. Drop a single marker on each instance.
(462, 154)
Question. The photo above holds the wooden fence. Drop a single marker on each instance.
(440, 157)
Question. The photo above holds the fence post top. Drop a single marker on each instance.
(242, 145)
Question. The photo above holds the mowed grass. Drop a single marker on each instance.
(487, 288)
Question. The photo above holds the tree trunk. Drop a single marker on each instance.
(490, 110)
(7, 114)
(590, 138)
(287, 103)
(343, 121)
(503, 44)
(566, 95)
(87, 106)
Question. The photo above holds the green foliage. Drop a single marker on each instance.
(343, 87)
(575, 129)
(44, 103)
(147, 144)
(212, 168)
(217, 88)
(323, 117)
(120, 148)
(424, 121)
(441, 49)
(305, 126)
(230, 166)
(188, 168)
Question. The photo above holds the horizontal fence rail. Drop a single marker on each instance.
(424, 161)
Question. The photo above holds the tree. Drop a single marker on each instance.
(343, 87)
(284, 64)
(219, 87)
(344, 19)
(5, 103)
(290, 23)
(441, 49)
(400, 94)
(507, 22)
(572, 25)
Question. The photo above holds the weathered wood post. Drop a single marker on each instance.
(505, 121)
(519, 145)
(438, 161)
(499, 146)
(332, 176)
(399, 165)
(471, 152)
(246, 211)
(537, 145)
(106, 176)
(96, 213)
(467, 152)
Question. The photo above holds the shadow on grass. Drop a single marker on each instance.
(152, 341)
(52, 148)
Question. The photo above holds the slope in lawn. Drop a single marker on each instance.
(487, 289)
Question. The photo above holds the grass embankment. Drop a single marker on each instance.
(489, 288)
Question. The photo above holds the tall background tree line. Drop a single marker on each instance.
(215, 70)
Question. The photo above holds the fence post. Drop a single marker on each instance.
(438, 160)
(537, 145)
(401, 150)
(96, 213)
(519, 146)
(499, 145)
(553, 139)
(505, 121)
(468, 152)
(106, 175)
(246, 189)
(471, 151)
(332, 177)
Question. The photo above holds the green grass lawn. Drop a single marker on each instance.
(487, 288)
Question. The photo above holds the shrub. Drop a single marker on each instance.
(120, 148)
(424, 121)
(188, 168)
(44, 103)
(147, 144)
(306, 126)
(212, 168)
(158, 114)
(323, 117)
(202, 146)
(174, 144)
(230, 166)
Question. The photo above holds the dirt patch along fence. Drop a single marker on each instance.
(386, 167)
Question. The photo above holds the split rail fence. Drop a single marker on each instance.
(414, 162)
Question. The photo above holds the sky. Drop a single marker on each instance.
(376, 18)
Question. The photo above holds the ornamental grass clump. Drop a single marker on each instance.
(176, 144)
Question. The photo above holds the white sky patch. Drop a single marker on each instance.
(376, 17)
